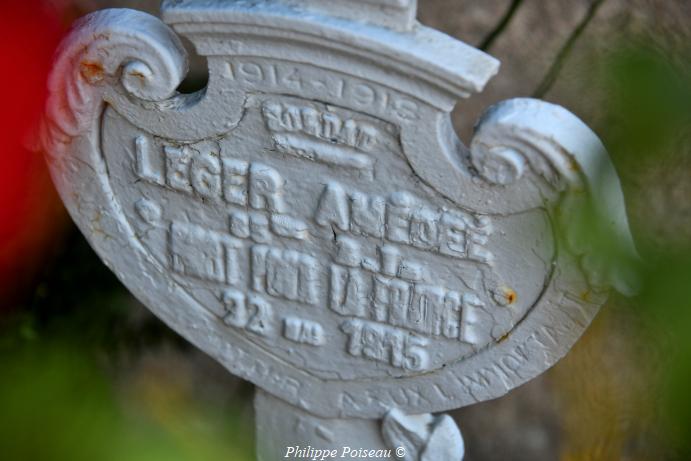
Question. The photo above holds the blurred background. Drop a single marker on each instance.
(86, 373)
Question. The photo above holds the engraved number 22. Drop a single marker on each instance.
(251, 313)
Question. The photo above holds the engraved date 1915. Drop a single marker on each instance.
(383, 343)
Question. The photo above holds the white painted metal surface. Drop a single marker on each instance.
(311, 220)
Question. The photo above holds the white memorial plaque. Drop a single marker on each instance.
(311, 220)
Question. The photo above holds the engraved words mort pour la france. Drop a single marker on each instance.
(309, 219)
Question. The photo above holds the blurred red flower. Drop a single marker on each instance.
(31, 216)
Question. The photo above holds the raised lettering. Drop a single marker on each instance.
(386, 344)
(285, 274)
(203, 254)
(303, 331)
(144, 168)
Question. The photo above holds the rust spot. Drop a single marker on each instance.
(504, 296)
(503, 338)
(139, 75)
(92, 72)
(585, 296)
(573, 165)
(510, 295)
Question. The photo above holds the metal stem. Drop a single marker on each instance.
(282, 430)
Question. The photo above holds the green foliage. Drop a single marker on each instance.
(65, 395)
(665, 306)
(648, 132)
(57, 405)
(649, 102)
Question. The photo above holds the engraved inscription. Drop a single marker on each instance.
(510, 365)
(388, 306)
(203, 254)
(258, 227)
(327, 126)
(396, 295)
(285, 274)
(303, 331)
(199, 169)
(322, 136)
(267, 73)
(405, 219)
(280, 77)
(382, 343)
(250, 312)
(149, 211)
(143, 166)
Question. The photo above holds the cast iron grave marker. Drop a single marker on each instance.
(311, 220)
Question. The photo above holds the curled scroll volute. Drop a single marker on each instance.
(127, 51)
(521, 136)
